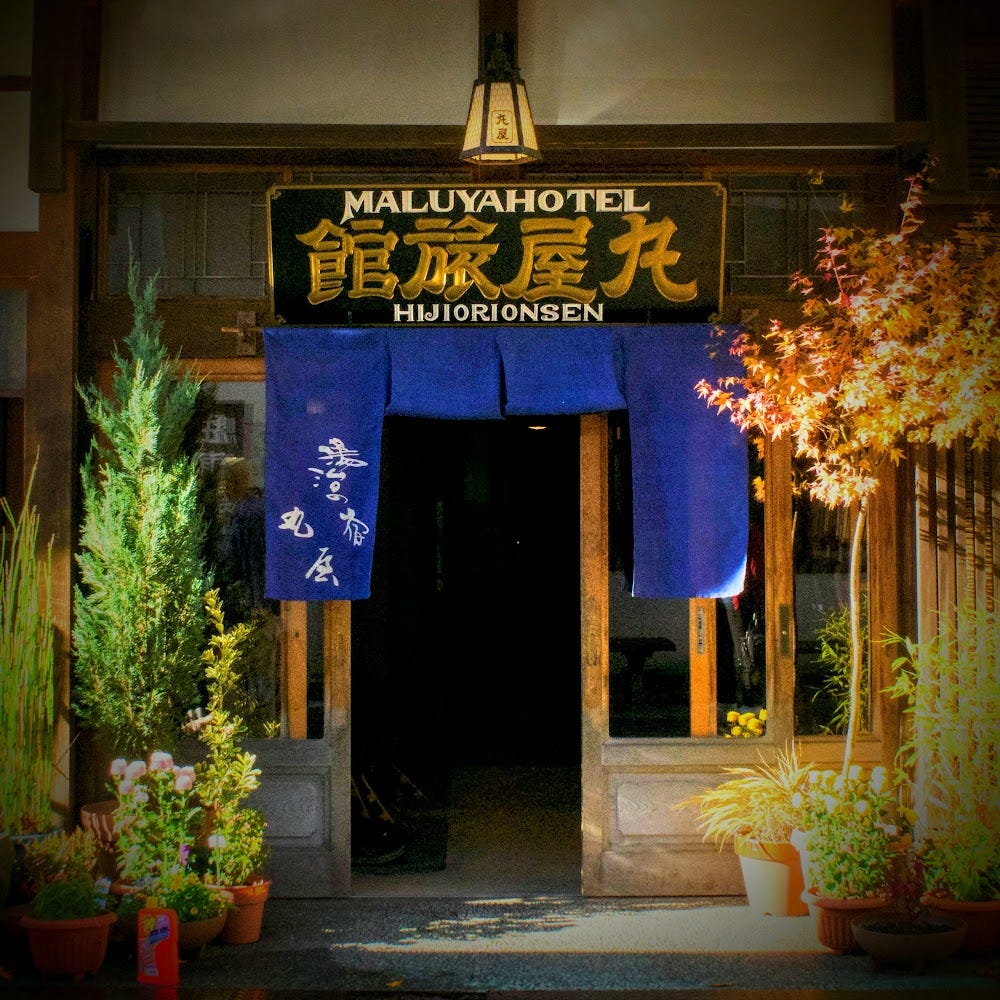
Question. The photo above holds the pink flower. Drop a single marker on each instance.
(141, 795)
(118, 766)
(183, 782)
(125, 786)
(136, 769)
(160, 760)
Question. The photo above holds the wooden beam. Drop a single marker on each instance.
(19, 255)
(350, 139)
(50, 432)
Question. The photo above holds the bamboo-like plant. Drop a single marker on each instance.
(951, 686)
(27, 663)
(897, 345)
(139, 621)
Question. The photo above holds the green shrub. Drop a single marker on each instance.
(66, 899)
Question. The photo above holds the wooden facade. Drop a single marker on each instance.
(931, 515)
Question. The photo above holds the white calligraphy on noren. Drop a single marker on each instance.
(333, 461)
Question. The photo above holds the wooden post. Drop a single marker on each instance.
(594, 631)
(293, 669)
(779, 590)
(702, 653)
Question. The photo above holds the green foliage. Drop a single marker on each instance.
(241, 855)
(66, 899)
(228, 775)
(27, 662)
(964, 863)
(835, 657)
(849, 832)
(189, 897)
(59, 856)
(139, 623)
(757, 802)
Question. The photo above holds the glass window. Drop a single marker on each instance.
(821, 558)
(232, 463)
(677, 667)
(13, 341)
(201, 235)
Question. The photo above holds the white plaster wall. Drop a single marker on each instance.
(413, 62)
(695, 61)
(310, 61)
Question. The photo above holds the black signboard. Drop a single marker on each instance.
(650, 252)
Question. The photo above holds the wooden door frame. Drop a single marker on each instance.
(594, 642)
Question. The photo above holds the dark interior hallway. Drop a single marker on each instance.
(466, 659)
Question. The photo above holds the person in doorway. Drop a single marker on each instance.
(241, 548)
(241, 582)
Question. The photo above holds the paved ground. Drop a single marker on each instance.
(542, 947)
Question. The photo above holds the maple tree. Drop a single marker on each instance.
(897, 344)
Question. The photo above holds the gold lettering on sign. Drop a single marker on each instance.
(655, 260)
(451, 257)
(364, 247)
(553, 260)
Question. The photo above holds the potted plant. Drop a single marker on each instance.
(239, 858)
(907, 933)
(58, 857)
(756, 809)
(226, 778)
(849, 841)
(68, 927)
(158, 822)
(138, 617)
(201, 908)
(157, 818)
(27, 690)
(949, 683)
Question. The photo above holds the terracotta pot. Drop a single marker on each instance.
(890, 944)
(244, 919)
(772, 874)
(68, 947)
(833, 919)
(193, 935)
(982, 919)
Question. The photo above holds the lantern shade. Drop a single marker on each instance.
(500, 128)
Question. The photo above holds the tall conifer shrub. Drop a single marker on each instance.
(139, 625)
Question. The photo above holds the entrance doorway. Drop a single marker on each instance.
(466, 663)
